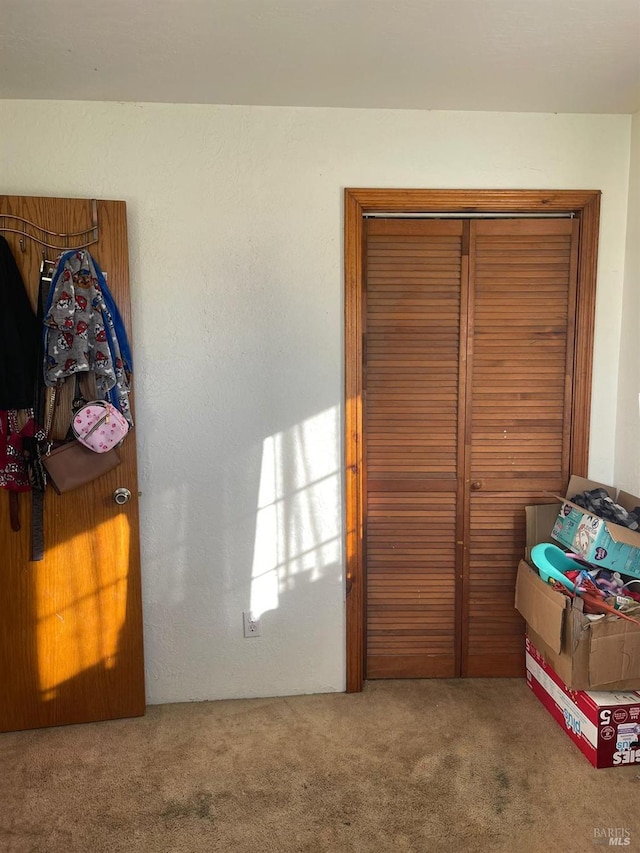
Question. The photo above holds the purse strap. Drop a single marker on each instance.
(44, 407)
(69, 395)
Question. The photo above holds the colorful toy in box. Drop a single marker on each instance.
(558, 568)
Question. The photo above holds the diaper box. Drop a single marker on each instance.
(599, 542)
(605, 726)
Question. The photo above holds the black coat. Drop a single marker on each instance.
(19, 336)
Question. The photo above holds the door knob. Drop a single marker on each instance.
(122, 496)
(476, 485)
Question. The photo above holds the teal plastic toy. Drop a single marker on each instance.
(552, 562)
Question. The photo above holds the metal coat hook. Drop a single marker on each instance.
(92, 232)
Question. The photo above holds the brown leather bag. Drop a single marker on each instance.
(71, 465)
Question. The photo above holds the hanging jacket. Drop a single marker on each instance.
(84, 330)
(19, 345)
(19, 336)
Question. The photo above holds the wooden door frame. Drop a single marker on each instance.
(584, 204)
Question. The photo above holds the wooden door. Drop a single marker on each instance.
(71, 625)
(416, 289)
(519, 380)
(467, 381)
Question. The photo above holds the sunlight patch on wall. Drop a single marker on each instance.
(299, 509)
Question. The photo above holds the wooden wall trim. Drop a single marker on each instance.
(472, 201)
(583, 203)
(585, 322)
(355, 581)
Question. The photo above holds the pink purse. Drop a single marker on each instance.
(99, 426)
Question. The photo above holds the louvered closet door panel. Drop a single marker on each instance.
(522, 300)
(411, 366)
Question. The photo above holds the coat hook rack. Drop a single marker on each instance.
(91, 235)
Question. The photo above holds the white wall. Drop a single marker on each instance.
(627, 461)
(235, 217)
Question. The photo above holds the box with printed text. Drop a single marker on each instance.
(596, 540)
(604, 725)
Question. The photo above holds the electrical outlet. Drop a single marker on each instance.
(251, 624)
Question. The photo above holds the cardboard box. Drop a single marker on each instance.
(600, 542)
(604, 726)
(540, 520)
(586, 654)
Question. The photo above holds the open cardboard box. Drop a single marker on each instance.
(586, 654)
(600, 542)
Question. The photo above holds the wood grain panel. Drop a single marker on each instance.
(71, 625)
(411, 583)
(496, 543)
(412, 328)
(355, 473)
(521, 383)
(515, 330)
(417, 326)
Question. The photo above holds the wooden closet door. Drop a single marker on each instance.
(522, 308)
(415, 287)
(468, 377)
(71, 625)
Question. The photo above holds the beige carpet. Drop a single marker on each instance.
(467, 765)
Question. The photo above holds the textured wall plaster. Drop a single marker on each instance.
(627, 462)
(235, 223)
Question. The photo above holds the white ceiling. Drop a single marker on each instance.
(511, 55)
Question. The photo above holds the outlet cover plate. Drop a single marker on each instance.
(251, 624)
